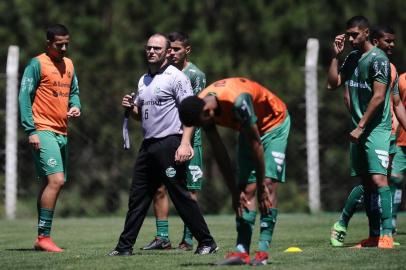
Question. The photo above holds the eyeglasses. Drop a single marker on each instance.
(155, 48)
(354, 35)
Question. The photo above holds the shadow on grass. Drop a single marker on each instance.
(159, 252)
(197, 264)
(22, 249)
(25, 249)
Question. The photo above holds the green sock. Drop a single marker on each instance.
(45, 217)
(162, 228)
(267, 226)
(187, 235)
(353, 200)
(372, 211)
(385, 198)
(395, 185)
(245, 225)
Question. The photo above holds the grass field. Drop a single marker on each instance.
(86, 241)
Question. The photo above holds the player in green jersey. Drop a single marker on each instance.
(384, 38)
(366, 75)
(180, 50)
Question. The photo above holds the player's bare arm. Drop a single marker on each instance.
(226, 169)
(377, 99)
(346, 97)
(252, 135)
(399, 110)
(333, 77)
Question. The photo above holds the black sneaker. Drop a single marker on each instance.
(185, 246)
(115, 252)
(158, 243)
(206, 249)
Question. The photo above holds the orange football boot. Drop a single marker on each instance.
(45, 243)
(385, 241)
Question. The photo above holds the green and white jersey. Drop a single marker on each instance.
(359, 71)
(198, 81)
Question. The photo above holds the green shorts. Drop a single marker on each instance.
(52, 157)
(399, 161)
(274, 143)
(392, 147)
(195, 170)
(371, 154)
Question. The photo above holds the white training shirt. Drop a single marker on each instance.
(158, 97)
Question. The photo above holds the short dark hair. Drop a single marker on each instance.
(179, 36)
(379, 30)
(358, 21)
(56, 30)
(190, 109)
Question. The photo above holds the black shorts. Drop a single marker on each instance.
(156, 160)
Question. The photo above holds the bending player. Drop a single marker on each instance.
(263, 123)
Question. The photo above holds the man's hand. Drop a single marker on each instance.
(240, 203)
(264, 199)
(127, 101)
(33, 140)
(338, 45)
(356, 134)
(184, 153)
(73, 112)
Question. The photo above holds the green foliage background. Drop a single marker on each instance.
(264, 40)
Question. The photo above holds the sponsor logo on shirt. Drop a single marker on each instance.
(27, 83)
(363, 85)
(61, 84)
(151, 103)
(179, 88)
(59, 94)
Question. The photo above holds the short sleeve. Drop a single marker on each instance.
(244, 110)
(380, 69)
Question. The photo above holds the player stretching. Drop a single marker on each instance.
(263, 123)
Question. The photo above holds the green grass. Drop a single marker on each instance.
(86, 241)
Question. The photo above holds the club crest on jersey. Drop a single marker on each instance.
(157, 90)
(170, 172)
